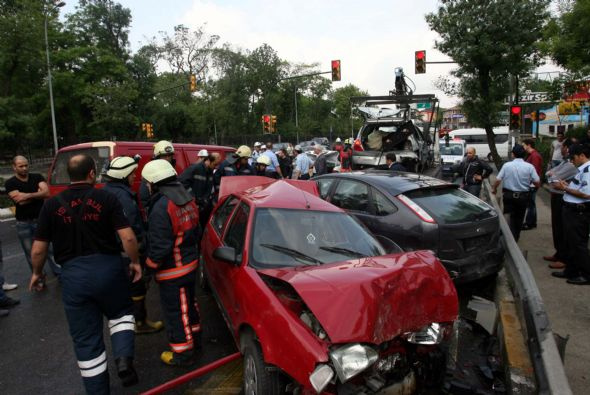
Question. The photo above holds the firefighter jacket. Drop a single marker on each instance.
(173, 233)
(229, 167)
(198, 179)
(128, 200)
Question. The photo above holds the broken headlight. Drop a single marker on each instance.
(352, 359)
(428, 335)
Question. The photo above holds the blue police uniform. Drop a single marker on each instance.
(81, 222)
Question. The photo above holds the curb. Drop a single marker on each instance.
(6, 213)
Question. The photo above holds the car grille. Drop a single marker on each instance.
(474, 243)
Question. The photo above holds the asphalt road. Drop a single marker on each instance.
(36, 351)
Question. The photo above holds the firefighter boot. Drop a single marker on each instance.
(126, 371)
(177, 359)
(144, 326)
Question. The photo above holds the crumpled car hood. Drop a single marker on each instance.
(375, 299)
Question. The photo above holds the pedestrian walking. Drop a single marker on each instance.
(6, 302)
(302, 165)
(392, 163)
(119, 177)
(82, 223)
(173, 253)
(563, 171)
(516, 177)
(28, 191)
(576, 214)
(535, 159)
(473, 171)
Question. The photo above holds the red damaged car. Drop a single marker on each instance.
(314, 301)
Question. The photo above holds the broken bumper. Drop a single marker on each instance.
(475, 267)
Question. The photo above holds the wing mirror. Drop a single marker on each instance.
(389, 245)
(226, 254)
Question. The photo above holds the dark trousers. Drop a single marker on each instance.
(557, 226)
(181, 313)
(531, 210)
(474, 189)
(515, 204)
(576, 241)
(93, 286)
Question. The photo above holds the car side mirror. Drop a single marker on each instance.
(389, 245)
(226, 254)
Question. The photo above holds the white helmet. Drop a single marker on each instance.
(298, 148)
(263, 160)
(257, 144)
(121, 167)
(203, 153)
(158, 170)
(338, 140)
(163, 147)
(244, 151)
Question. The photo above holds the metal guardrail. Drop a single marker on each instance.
(549, 369)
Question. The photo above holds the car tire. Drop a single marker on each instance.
(202, 276)
(258, 378)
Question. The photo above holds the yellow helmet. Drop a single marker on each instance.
(244, 151)
(263, 160)
(163, 147)
(157, 170)
(121, 167)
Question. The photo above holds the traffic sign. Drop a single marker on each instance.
(423, 105)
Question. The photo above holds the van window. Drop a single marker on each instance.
(59, 174)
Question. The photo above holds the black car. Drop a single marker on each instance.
(420, 212)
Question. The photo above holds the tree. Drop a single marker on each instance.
(490, 41)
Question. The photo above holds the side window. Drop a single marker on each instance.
(236, 232)
(501, 138)
(383, 206)
(351, 195)
(324, 186)
(221, 215)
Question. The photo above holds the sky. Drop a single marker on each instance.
(371, 39)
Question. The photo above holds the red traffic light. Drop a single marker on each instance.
(516, 110)
(420, 54)
(336, 70)
(266, 118)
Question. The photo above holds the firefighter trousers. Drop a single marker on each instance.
(93, 286)
(181, 313)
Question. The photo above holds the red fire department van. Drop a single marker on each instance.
(104, 151)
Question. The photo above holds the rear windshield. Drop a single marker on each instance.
(59, 174)
(451, 149)
(451, 205)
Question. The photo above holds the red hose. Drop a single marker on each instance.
(192, 375)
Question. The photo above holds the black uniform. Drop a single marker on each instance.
(230, 167)
(198, 180)
(81, 222)
(468, 169)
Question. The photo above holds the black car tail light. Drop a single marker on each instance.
(416, 209)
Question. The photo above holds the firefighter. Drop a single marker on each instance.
(262, 164)
(198, 180)
(162, 150)
(173, 254)
(81, 223)
(119, 177)
(346, 156)
(234, 165)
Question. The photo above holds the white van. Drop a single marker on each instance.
(451, 153)
(477, 138)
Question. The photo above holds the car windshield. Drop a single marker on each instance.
(59, 174)
(451, 149)
(285, 237)
(451, 205)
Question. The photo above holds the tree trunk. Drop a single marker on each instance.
(492, 144)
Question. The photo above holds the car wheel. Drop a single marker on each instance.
(202, 277)
(258, 378)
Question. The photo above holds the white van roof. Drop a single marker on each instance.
(470, 131)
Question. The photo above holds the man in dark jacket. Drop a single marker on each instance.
(173, 253)
(392, 164)
(233, 165)
(198, 180)
(474, 171)
(320, 165)
(120, 176)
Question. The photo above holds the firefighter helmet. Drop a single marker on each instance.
(244, 151)
(121, 167)
(203, 153)
(163, 148)
(263, 160)
(158, 170)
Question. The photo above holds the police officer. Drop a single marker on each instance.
(198, 180)
(82, 223)
(173, 253)
(162, 150)
(119, 177)
(516, 177)
(576, 217)
(234, 165)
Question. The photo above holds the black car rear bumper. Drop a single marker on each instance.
(475, 267)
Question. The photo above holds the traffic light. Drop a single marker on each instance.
(193, 83)
(515, 117)
(273, 123)
(266, 123)
(148, 128)
(420, 62)
(336, 70)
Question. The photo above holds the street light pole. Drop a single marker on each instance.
(56, 6)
